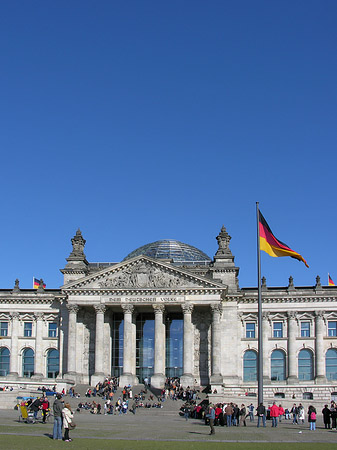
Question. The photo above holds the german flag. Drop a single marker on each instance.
(36, 283)
(331, 283)
(271, 245)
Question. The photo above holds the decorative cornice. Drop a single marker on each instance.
(143, 292)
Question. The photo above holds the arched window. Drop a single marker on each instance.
(4, 361)
(278, 365)
(331, 364)
(28, 362)
(53, 363)
(250, 366)
(305, 365)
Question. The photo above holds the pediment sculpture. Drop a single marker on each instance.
(142, 275)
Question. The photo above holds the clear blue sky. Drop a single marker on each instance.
(140, 120)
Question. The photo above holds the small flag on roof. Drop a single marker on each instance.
(36, 283)
(331, 283)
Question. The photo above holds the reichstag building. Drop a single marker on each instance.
(169, 310)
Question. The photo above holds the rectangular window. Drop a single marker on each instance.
(332, 328)
(305, 329)
(52, 330)
(28, 328)
(250, 330)
(277, 329)
(3, 329)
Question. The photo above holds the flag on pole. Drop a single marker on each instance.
(272, 246)
(331, 283)
(36, 283)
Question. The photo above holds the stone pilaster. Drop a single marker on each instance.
(158, 378)
(128, 376)
(72, 325)
(266, 330)
(187, 379)
(38, 361)
(99, 345)
(14, 359)
(319, 347)
(216, 377)
(292, 356)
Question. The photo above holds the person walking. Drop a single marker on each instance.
(57, 410)
(243, 413)
(294, 412)
(280, 413)
(45, 409)
(67, 415)
(211, 417)
(261, 413)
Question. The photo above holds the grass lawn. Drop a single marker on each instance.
(10, 442)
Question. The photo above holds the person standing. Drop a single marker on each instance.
(280, 412)
(261, 412)
(274, 413)
(57, 410)
(229, 412)
(251, 412)
(67, 415)
(326, 417)
(312, 417)
(211, 417)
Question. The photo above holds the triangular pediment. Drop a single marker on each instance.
(142, 272)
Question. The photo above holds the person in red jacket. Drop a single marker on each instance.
(280, 412)
(274, 413)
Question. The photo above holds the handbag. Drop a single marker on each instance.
(72, 425)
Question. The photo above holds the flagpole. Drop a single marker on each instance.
(259, 314)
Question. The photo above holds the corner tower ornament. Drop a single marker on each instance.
(78, 243)
(223, 239)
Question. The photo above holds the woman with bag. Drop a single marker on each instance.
(312, 417)
(67, 415)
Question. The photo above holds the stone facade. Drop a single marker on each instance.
(219, 340)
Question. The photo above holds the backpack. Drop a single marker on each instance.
(313, 416)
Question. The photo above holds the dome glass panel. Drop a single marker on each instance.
(171, 249)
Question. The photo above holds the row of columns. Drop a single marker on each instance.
(292, 345)
(38, 356)
(129, 350)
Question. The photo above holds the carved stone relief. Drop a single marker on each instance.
(142, 275)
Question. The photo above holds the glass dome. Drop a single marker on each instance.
(171, 249)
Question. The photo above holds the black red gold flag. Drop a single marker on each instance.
(271, 245)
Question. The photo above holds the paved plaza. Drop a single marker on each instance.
(166, 425)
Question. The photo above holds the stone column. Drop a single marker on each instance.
(187, 379)
(128, 377)
(14, 355)
(265, 349)
(99, 345)
(216, 377)
(292, 356)
(38, 360)
(319, 347)
(72, 324)
(158, 378)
